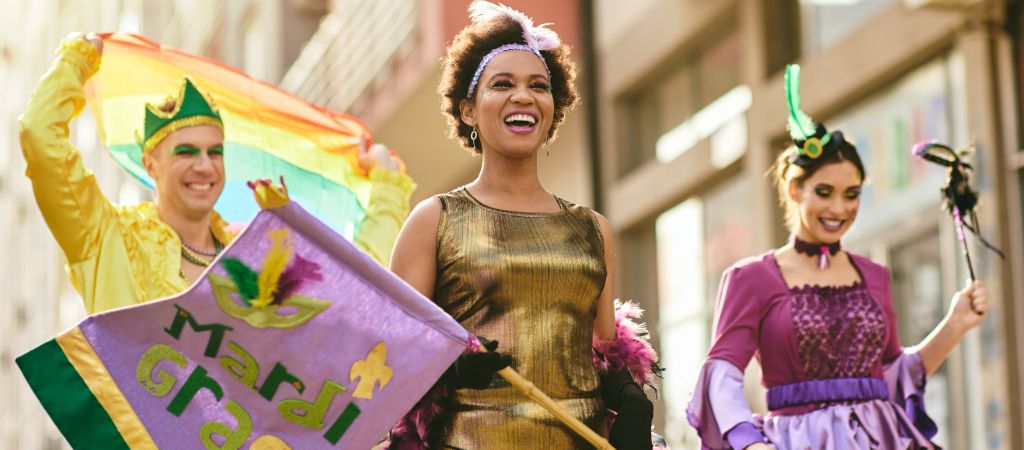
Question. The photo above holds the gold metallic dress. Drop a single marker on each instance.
(530, 281)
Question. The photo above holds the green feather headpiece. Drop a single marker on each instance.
(810, 137)
(191, 109)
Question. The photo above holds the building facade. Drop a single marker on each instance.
(683, 112)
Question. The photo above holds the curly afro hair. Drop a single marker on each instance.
(464, 55)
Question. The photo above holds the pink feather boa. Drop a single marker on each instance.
(414, 431)
(630, 350)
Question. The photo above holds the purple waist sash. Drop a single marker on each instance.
(827, 390)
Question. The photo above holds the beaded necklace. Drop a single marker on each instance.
(196, 256)
(192, 249)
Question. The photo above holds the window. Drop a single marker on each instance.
(781, 34)
(1020, 184)
(684, 313)
(927, 103)
(826, 22)
(696, 241)
(1015, 26)
(920, 302)
(671, 102)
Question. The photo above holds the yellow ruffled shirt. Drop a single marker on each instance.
(124, 255)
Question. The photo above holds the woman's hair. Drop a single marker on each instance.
(469, 48)
(784, 171)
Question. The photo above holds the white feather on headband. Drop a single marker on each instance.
(538, 37)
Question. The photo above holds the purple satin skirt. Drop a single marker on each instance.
(855, 413)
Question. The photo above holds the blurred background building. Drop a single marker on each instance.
(682, 113)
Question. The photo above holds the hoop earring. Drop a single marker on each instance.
(473, 136)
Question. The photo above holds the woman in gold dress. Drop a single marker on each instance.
(506, 258)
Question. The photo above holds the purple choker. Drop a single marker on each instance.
(822, 251)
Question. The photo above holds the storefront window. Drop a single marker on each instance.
(684, 313)
(696, 241)
(917, 279)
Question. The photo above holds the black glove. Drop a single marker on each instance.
(475, 370)
(632, 427)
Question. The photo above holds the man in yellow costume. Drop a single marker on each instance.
(123, 255)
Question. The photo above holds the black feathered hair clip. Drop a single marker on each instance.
(812, 140)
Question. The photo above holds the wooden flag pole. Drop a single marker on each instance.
(526, 387)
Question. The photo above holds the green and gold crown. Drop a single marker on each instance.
(191, 108)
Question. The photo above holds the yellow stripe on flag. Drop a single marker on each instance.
(84, 359)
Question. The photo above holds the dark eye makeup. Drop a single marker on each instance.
(542, 86)
(825, 191)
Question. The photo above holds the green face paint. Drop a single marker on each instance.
(185, 150)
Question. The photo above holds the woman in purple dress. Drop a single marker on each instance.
(821, 322)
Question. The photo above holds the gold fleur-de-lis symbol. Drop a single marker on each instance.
(370, 371)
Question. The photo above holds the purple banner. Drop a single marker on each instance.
(291, 337)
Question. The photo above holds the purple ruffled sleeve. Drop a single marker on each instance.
(719, 411)
(906, 378)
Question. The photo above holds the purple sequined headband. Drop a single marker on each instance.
(496, 52)
(538, 38)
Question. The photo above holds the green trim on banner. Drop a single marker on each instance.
(68, 401)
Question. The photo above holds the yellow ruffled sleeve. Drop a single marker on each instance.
(385, 213)
(67, 194)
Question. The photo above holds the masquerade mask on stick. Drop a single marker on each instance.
(959, 198)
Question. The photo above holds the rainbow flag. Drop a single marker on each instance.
(292, 338)
(268, 132)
